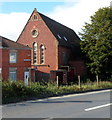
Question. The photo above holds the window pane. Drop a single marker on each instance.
(13, 57)
(42, 61)
(12, 75)
(42, 48)
(34, 53)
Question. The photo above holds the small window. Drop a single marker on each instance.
(59, 36)
(13, 57)
(65, 38)
(13, 74)
(34, 33)
(65, 58)
(34, 17)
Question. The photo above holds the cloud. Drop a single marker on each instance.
(72, 14)
(75, 14)
(12, 24)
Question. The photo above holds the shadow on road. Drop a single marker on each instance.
(63, 101)
(46, 102)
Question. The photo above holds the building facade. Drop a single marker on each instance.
(55, 50)
(15, 61)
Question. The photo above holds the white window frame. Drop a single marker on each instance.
(13, 57)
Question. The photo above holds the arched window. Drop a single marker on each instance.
(34, 17)
(42, 54)
(34, 53)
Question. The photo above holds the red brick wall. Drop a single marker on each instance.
(44, 37)
(53, 77)
(53, 52)
(20, 65)
(79, 67)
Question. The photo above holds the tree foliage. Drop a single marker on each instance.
(97, 41)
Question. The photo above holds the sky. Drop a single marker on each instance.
(71, 13)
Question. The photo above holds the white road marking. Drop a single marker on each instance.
(97, 107)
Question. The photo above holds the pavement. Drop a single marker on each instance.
(95, 104)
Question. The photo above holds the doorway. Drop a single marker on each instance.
(26, 77)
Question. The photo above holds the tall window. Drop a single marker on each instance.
(65, 58)
(13, 56)
(13, 74)
(35, 53)
(42, 54)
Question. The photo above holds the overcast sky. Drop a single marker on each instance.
(71, 13)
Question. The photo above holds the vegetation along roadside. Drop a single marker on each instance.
(16, 91)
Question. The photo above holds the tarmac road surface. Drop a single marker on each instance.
(85, 105)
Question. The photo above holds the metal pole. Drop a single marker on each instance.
(97, 79)
(79, 81)
(57, 81)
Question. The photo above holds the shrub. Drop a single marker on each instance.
(17, 91)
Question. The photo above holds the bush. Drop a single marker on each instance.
(17, 91)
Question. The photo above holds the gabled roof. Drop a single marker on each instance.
(63, 34)
(6, 43)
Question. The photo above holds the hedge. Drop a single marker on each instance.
(17, 91)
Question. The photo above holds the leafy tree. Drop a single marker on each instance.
(97, 41)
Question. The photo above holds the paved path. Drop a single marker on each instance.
(86, 105)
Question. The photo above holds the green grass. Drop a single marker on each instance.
(17, 91)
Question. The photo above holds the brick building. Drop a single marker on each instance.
(15, 60)
(55, 49)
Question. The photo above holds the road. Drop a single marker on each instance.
(86, 105)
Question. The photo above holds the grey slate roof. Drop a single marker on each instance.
(63, 34)
(73, 41)
(6, 43)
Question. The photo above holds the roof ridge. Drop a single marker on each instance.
(56, 28)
